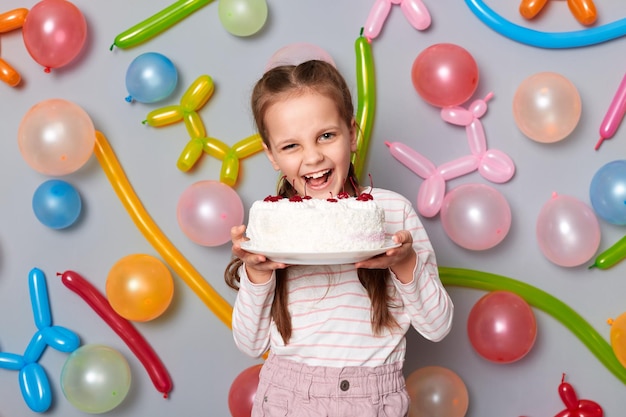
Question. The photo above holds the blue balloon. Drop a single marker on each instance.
(548, 40)
(608, 192)
(39, 298)
(35, 387)
(151, 77)
(57, 204)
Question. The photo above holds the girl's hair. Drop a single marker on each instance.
(287, 81)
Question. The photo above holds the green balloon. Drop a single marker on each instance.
(543, 301)
(242, 17)
(95, 378)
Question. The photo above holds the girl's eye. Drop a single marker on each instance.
(288, 147)
(327, 135)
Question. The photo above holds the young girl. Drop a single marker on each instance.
(336, 333)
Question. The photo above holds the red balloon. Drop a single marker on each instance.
(242, 392)
(502, 327)
(54, 32)
(445, 74)
(574, 406)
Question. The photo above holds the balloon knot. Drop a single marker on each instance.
(46, 70)
(165, 395)
(129, 99)
(143, 122)
(609, 322)
(112, 46)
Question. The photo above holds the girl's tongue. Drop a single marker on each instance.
(318, 181)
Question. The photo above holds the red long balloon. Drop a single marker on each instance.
(135, 341)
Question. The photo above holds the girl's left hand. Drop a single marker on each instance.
(394, 257)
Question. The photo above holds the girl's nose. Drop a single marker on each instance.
(313, 155)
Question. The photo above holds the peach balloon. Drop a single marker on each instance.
(546, 107)
(618, 337)
(139, 287)
(436, 391)
(56, 137)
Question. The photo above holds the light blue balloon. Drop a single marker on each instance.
(151, 77)
(57, 204)
(548, 40)
(608, 192)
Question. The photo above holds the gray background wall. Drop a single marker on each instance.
(195, 346)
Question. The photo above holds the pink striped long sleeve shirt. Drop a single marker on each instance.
(330, 309)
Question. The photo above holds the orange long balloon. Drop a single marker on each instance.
(152, 232)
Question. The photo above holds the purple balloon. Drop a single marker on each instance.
(207, 210)
(475, 216)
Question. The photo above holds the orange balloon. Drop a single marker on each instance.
(618, 338)
(139, 287)
(436, 391)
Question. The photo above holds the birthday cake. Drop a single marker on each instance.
(309, 225)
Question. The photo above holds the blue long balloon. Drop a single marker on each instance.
(548, 40)
(39, 298)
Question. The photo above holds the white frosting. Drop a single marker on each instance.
(316, 225)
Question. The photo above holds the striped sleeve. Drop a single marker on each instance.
(251, 315)
(425, 299)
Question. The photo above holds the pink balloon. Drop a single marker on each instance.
(475, 216)
(445, 74)
(207, 210)
(54, 32)
(56, 137)
(242, 392)
(298, 53)
(436, 391)
(546, 107)
(568, 231)
(502, 327)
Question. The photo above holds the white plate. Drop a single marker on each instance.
(307, 258)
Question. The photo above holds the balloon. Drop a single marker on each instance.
(583, 10)
(54, 32)
(40, 303)
(555, 40)
(614, 115)
(57, 204)
(207, 210)
(56, 137)
(475, 216)
(297, 53)
(146, 225)
(242, 17)
(436, 391)
(589, 336)
(613, 255)
(139, 287)
(445, 74)
(568, 231)
(8, 74)
(35, 387)
(124, 329)
(242, 392)
(502, 327)
(546, 107)
(95, 378)
(150, 77)
(414, 10)
(157, 23)
(576, 407)
(366, 102)
(13, 19)
(618, 337)
(607, 192)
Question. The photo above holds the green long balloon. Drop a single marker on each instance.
(366, 101)
(543, 301)
(157, 23)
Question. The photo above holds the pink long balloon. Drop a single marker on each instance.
(414, 10)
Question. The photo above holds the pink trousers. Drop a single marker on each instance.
(287, 388)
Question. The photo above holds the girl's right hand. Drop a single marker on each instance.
(258, 267)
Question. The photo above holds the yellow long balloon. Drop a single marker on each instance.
(151, 231)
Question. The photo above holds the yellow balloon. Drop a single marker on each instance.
(139, 287)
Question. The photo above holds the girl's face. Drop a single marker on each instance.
(310, 143)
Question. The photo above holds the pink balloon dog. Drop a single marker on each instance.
(414, 10)
(492, 164)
